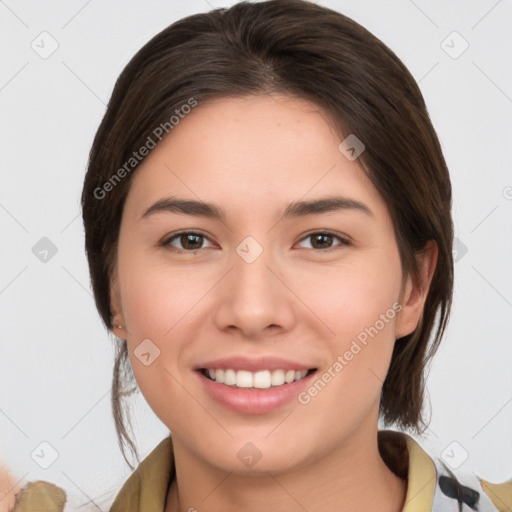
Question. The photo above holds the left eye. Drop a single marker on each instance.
(323, 239)
(191, 241)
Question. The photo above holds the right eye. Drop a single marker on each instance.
(190, 241)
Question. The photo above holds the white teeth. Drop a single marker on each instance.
(289, 376)
(260, 380)
(243, 379)
(230, 377)
(277, 377)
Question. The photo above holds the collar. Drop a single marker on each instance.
(146, 488)
(407, 459)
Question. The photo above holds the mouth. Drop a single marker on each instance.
(259, 380)
(254, 393)
(255, 385)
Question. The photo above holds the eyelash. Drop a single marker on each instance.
(167, 242)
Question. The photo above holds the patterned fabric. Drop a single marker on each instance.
(463, 491)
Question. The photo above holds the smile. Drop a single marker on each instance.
(254, 393)
(263, 379)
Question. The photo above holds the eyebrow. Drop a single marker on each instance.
(295, 209)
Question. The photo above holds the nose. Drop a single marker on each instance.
(255, 298)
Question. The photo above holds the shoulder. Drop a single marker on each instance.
(462, 489)
(40, 495)
(436, 486)
(146, 488)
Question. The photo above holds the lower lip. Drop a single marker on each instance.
(251, 401)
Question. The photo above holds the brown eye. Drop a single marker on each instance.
(324, 240)
(188, 241)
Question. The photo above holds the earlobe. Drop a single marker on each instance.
(118, 329)
(415, 292)
(118, 323)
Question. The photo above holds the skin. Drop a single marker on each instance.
(253, 156)
(8, 489)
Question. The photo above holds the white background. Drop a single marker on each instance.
(56, 358)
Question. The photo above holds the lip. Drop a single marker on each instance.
(249, 401)
(253, 364)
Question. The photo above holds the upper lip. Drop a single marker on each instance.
(253, 364)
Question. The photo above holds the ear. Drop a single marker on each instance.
(118, 323)
(415, 294)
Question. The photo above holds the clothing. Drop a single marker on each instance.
(428, 480)
(40, 496)
(432, 485)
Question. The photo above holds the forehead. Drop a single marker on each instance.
(255, 151)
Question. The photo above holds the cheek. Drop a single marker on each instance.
(358, 303)
(362, 314)
(157, 299)
(159, 305)
(351, 297)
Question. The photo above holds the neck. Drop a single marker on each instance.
(352, 476)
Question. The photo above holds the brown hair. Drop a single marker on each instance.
(311, 52)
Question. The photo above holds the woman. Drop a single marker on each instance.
(269, 235)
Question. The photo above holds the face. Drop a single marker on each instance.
(261, 289)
